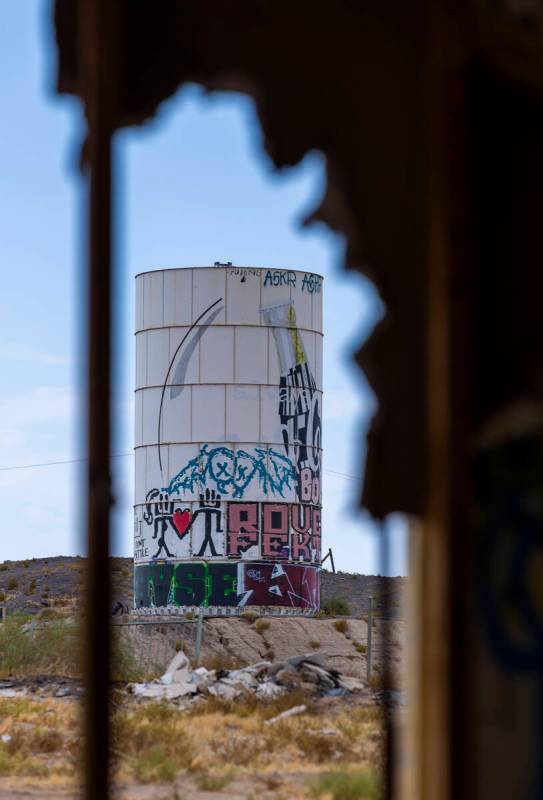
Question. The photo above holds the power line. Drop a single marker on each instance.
(56, 463)
(343, 474)
(125, 455)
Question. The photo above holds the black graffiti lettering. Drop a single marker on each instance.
(311, 283)
(279, 278)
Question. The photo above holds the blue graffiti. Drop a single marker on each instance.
(230, 472)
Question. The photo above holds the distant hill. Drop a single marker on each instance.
(28, 586)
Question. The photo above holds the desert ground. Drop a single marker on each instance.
(236, 743)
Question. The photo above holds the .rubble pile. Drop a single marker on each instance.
(264, 679)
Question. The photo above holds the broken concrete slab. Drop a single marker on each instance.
(310, 658)
(265, 680)
(350, 684)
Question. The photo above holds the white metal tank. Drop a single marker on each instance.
(228, 439)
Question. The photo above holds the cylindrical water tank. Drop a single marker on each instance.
(228, 439)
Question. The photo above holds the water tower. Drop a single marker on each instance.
(228, 440)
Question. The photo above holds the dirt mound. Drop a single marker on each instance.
(233, 642)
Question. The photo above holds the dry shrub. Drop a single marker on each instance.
(4, 762)
(240, 707)
(124, 665)
(262, 625)
(384, 681)
(232, 751)
(249, 616)
(212, 783)
(359, 647)
(52, 649)
(314, 745)
(341, 625)
(29, 741)
(336, 606)
(358, 785)
(155, 712)
(47, 614)
(250, 704)
(320, 747)
(294, 697)
(152, 741)
(221, 661)
(155, 766)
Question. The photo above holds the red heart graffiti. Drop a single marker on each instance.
(181, 520)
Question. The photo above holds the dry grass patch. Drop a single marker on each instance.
(151, 743)
(157, 741)
(252, 706)
(42, 738)
(54, 647)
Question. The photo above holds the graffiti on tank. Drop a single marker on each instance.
(229, 472)
(199, 583)
(306, 533)
(183, 356)
(244, 272)
(239, 525)
(161, 513)
(311, 283)
(278, 584)
(277, 277)
(198, 527)
(203, 584)
(195, 583)
(299, 400)
(141, 550)
(275, 530)
(209, 514)
(243, 532)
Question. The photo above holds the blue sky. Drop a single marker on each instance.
(194, 188)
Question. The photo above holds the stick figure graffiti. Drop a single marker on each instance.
(210, 509)
(162, 514)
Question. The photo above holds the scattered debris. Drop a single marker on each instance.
(41, 686)
(290, 712)
(265, 679)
